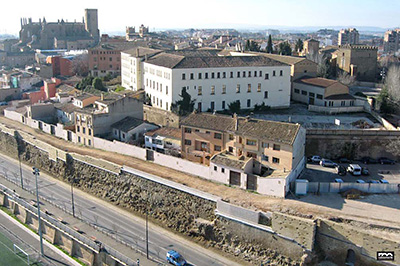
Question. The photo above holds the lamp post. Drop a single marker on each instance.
(72, 197)
(36, 172)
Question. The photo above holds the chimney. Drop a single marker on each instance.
(235, 119)
(102, 97)
(137, 52)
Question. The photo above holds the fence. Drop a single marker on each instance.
(335, 110)
(326, 187)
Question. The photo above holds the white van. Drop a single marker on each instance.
(354, 169)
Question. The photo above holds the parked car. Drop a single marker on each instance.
(354, 169)
(316, 159)
(175, 258)
(3, 103)
(383, 181)
(373, 182)
(360, 181)
(368, 160)
(327, 163)
(364, 171)
(344, 160)
(341, 170)
(339, 180)
(384, 160)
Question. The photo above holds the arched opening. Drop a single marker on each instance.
(350, 258)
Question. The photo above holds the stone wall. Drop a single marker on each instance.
(160, 117)
(300, 229)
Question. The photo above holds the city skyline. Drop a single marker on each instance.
(223, 14)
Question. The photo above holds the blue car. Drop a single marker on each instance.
(175, 258)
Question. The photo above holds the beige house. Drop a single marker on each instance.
(321, 92)
(84, 99)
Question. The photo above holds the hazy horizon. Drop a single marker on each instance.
(255, 14)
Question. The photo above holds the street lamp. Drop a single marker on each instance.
(36, 172)
(72, 197)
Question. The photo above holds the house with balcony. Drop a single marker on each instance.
(165, 140)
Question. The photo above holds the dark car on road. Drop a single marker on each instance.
(384, 160)
(341, 170)
(368, 160)
(364, 171)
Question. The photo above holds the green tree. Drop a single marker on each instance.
(185, 105)
(269, 45)
(299, 45)
(285, 49)
(234, 107)
(84, 83)
(98, 84)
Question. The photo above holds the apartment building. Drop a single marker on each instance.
(215, 81)
(348, 36)
(274, 145)
(358, 60)
(391, 41)
(97, 120)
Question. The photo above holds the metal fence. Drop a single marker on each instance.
(325, 187)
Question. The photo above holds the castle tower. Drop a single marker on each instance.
(91, 23)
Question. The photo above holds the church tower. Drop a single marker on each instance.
(91, 23)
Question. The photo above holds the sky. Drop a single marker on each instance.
(115, 15)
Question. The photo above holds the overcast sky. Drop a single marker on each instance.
(114, 15)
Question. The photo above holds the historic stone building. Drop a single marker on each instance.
(61, 34)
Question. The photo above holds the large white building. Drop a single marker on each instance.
(213, 81)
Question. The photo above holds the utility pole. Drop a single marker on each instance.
(147, 227)
(72, 197)
(36, 172)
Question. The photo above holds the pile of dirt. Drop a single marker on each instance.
(361, 124)
(353, 194)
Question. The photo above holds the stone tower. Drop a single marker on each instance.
(91, 23)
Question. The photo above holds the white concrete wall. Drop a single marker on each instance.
(299, 97)
(12, 114)
(271, 186)
(334, 110)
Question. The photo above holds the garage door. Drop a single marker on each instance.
(234, 178)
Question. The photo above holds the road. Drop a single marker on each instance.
(124, 225)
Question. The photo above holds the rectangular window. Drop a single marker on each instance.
(274, 73)
(248, 87)
(255, 73)
(265, 145)
(183, 76)
(223, 89)
(199, 75)
(238, 74)
(275, 160)
(208, 132)
(231, 74)
(342, 103)
(166, 106)
(188, 142)
(89, 142)
(217, 148)
(319, 96)
(218, 75)
(191, 76)
(260, 74)
(160, 103)
(238, 88)
(83, 130)
(188, 130)
(231, 137)
(248, 103)
(352, 103)
(265, 94)
(297, 91)
(230, 149)
(206, 75)
(79, 139)
(259, 87)
(277, 147)
(281, 73)
(77, 129)
(212, 75)
(311, 94)
(90, 132)
(249, 75)
(222, 170)
(217, 136)
(223, 104)
(303, 92)
(215, 168)
(166, 90)
(264, 158)
(266, 76)
(223, 75)
(251, 142)
(212, 106)
(244, 74)
(212, 90)
(200, 91)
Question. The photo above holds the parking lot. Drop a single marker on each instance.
(317, 173)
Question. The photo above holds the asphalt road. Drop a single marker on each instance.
(129, 228)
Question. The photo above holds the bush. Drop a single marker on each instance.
(119, 88)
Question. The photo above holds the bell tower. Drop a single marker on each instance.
(91, 23)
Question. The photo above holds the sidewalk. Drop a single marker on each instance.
(76, 223)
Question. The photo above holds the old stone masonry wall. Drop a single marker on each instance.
(171, 208)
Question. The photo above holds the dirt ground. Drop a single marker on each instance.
(383, 210)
